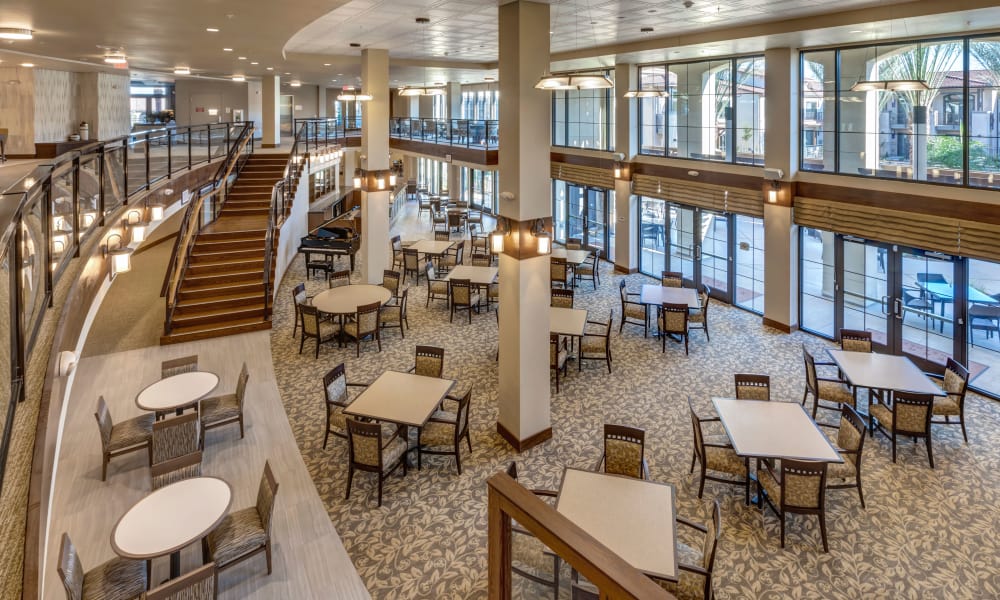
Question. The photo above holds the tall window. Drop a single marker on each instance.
(916, 111)
(481, 104)
(715, 110)
(584, 118)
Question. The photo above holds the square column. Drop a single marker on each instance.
(626, 143)
(270, 102)
(375, 149)
(524, 418)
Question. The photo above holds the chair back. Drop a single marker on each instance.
(705, 295)
(752, 387)
(265, 497)
(621, 292)
(482, 260)
(176, 469)
(462, 418)
(855, 340)
(558, 271)
(397, 243)
(911, 413)
(429, 361)
(310, 320)
(672, 279)
(299, 294)
(956, 380)
(803, 484)
(429, 271)
(241, 385)
(364, 442)
(340, 278)
(574, 243)
(624, 450)
(442, 236)
(196, 585)
(367, 318)
(70, 569)
(176, 366)
(411, 259)
(104, 422)
(335, 385)
(812, 382)
(675, 317)
(699, 442)
(712, 535)
(554, 350)
(175, 437)
(852, 432)
(461, 292)
(390, 281)
(562, 298)
(460, 253)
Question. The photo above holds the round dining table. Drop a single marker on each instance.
(170, 519)
(177, 392)
(346, 299)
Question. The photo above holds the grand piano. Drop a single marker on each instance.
(334, 238)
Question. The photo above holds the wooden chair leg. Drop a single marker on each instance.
(267, 553)
(822, 531)
(350, 478)
(930, 453)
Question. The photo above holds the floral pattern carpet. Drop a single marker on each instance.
(925, 534)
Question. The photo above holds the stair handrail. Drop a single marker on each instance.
(195, 218)
(279, 202)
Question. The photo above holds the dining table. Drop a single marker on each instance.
(177, 392)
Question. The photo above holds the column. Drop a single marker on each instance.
(627, 144)
(270, 103)
(375, 147)
(781, 147)
(321, 101)
(524, 418)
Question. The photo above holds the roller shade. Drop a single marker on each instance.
(958, 237)
(592, 176)
(713, 197)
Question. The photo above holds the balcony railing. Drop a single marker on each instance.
(311, 134)
(480, 134)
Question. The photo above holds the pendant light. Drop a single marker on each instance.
(575, 80)
(422, 90)
(349, 93)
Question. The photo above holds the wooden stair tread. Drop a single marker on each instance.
(201, 332)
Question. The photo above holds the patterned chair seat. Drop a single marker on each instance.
(635, 311)
(584, 269)
(838, 471)
(117, 579)
(947, 406)
(439, 287)
(176, 475)
(131, 432)
(834, 391)
(219, 408)
(696, 317)
(690, 586)
(725, 460)
(530, 554)
(883, 413)
(238, 533)
(438, 434)
(391, 313)
(592, 344)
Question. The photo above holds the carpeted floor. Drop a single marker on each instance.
(926, 533)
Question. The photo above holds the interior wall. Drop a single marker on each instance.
(306, 101)
(255, 110)
(113, 105)
(194, 98)
(17, 109)
(56, 105)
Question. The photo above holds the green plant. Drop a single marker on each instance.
(945, 151)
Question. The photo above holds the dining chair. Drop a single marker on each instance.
(365, 325)
(442, 236)
(715, 453)
(446, 429)
(530, 558)
(696, 562)
(474, 220)
(437, 289)
(462, 297)
(482, 260)
(116, 578)
(624, 452)
(411, 264)
(390, 281)
(909, 416)
(396, 243)
(299, 296)
(588, 270)
(452, 258)
(574, 243)
(199, 584)
(561, 298)
(672, 279)
(752, 387)
(673, 320)
(244, 533)
(698, 319)
(955, 382)
(176, 366)
(339, 278)
(176, 450)
(558, 356)
(850, 445)
(338, 392)
(394, 315)
(855, 340)
(827, 393)
(374, 450)
(219, 411)
(480, 243)
(559, 272)
(428, 361)
(439, 218)
(124, 437)
(424, 204)
(633, 312)
(596, 342)
(796, 487)
(313, 326)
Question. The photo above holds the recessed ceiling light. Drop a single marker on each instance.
(326, 64)
(115, 58)
(270, 68)
(287, 73)
(227, 49)
(15, 33)
(212, 29)
(242, 57)
(254, 62)
(27, 65)
(295, 83)
(182, 71)
(855, 31)
(340, 74)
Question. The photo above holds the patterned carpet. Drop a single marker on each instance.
(926, 533)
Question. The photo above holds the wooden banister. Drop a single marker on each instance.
(507, 499)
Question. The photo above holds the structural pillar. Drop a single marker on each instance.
(321, 101)
(375, 158)
(781, 147)
(270, 103)
(524, 417)
(627, 146)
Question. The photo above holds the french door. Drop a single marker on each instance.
(699, 243)
(583, 213)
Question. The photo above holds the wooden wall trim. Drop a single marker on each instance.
(529, 442)
(597, 162)
(705, 175)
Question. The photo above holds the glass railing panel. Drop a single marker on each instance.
(62, 228)
(218, 140)
(32, 266)
(136, 170)
(114, 177)
(158, 156)
(199, 144)
(492, 135)
(178, 143)
(89, 193)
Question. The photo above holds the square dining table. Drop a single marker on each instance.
(887, 372)
(773, 429)
(431, 247)
(573, 257)
(478, 276)
(401, 398)
(656, 295)
(567, 321)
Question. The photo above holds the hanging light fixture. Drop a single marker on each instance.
(350, 94)
(115, 58)
(15, 33)
(867, 85)
(425, 89)
(542, 237)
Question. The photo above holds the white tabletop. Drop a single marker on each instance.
(657, 294)
(773, 430)
(402, 398)
(477, 275)
(632, 517)
(171, 518)
(177, 391)
(573, 257)
(883, 372)
(346, 299)
(567, 321)
(431, 247)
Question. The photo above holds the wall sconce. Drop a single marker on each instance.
(121, 256)
(155, 212)
(498, 235)
(87, 219)
(138, 230)
(380, 181)
(772, 194)
(392, 179)
(542, 237)
(59, 241)
(133, 216)
(357, 178)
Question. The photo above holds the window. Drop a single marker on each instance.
(481, 104)
(749, 263)
(584, 118)
(715, 110)
(944, 132)
(816, 278)
(151, 104)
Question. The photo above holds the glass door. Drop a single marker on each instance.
(866, 294)
(597, 226)
(713, 253)
(926, 311)
(576, 222)
(560, 210)
(682, 241)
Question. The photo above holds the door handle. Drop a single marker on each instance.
(899, 308)
(885, 305)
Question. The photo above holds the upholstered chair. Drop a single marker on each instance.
(909, 416)
(752, 387)
(428, 361)
(561, 298)
(530, 558)
(219, 411)
(199, 584)
(696, 560)
(339, 395)
(393, 316)
(462, 297)
(116, 578)
(558, 356)
(716, 454)
(123, 437)
(596, 342)
(624, 452)
(373, 449)
(364, 325)
(244, 533)
(633, 311)
(176, 450)
(955, 382)
(829, 394)
(672, 279)
(339, 278)
(437, 289)
(444, 432)
(673, 320)
(850, 445)
(797, 486)
(316, 328)
(698, 319)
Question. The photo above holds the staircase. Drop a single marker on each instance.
(223, 288)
